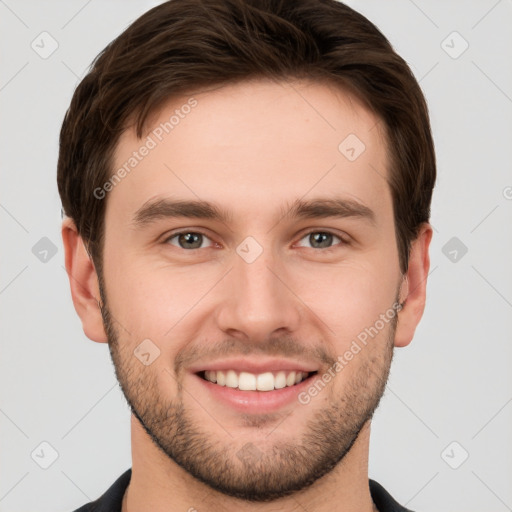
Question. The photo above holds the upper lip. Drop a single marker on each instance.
(255, 366)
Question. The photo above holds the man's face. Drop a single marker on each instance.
(263, 297)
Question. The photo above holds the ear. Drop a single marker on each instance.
(414, 287)
(83, 281)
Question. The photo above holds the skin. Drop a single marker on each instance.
(252, 148)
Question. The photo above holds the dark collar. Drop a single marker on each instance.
(112, 500)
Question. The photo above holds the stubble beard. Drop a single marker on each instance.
(249, 472)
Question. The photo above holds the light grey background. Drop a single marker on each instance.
(452, 384)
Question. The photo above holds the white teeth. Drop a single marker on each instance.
(211, 375)
(290, 380)
(265, 382)
(231, 379)
(246, 381)
(280, 380)
(221, 378)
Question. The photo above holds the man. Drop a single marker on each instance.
(247, 190)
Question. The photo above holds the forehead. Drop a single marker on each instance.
(253, 146)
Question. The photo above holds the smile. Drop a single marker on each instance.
(245, 381)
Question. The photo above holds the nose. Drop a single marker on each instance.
(258, 299)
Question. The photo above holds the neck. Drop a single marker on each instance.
(158, 484)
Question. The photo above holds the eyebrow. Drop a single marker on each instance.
(163, 208)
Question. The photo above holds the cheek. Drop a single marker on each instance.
(152, 300)
(349, 297)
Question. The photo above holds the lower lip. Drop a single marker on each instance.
(256, 402)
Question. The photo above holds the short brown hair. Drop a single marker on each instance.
(182, 45)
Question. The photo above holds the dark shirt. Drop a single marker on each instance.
(112, 500)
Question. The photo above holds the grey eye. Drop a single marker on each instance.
(321, 239)
(188, 240)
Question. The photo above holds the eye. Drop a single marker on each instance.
(188, 240)
(322, 239)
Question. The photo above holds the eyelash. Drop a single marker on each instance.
(342, 242)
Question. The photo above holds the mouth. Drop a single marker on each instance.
(253, 385)
(246, 381)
